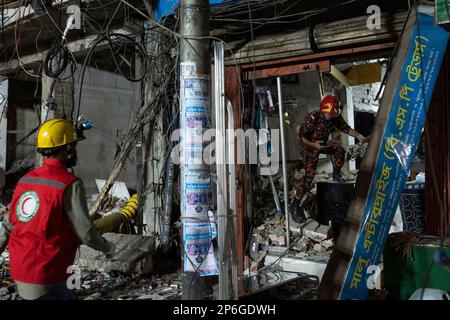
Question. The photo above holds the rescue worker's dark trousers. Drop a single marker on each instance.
(311, 158)
(59, 292)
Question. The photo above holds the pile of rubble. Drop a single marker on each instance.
(121, 286)
(117, 286)
(8, 293)
(306, 240)
(310, 240)
(113, 285)
(309, 237)
(7, 289)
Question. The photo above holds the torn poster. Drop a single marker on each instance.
(200, 255)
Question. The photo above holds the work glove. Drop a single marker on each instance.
(111, 251)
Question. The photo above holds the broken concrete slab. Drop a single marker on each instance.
(319, 248)
(277, 240)
(275, 250)
(4, 291)
(133, 255)
(311, 225)
(301, 245)
(294, 264)
(328, 243)
(315, 231)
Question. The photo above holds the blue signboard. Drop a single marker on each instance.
(413, 93)
(166, 7)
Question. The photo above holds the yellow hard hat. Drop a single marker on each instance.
(56, 133)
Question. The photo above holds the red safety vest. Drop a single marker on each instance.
(42, 244)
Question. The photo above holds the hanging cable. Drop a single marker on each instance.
(56, 60)
(118, 38)
(113, 39)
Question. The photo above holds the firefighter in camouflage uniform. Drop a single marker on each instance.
(314, 137)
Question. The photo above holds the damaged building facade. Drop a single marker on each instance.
(193, 115)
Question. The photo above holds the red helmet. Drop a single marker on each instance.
(330, 105)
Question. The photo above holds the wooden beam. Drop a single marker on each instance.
(322, 66)
(320, 56)
(335, 72)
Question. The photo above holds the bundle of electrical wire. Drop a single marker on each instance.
(56, 60)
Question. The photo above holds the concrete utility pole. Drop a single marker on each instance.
(195, 118)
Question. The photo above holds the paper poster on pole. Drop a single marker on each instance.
(196, 199)
(197, 196)
(197, 108)
(199, 250)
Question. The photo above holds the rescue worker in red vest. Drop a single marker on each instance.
(48, 219)
(314, 137)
